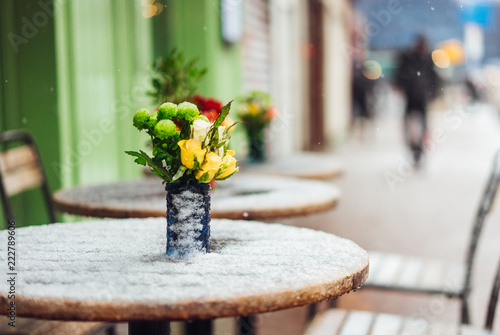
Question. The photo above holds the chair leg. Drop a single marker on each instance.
(246, 325)
(311, 311)
(464, 311)
(111, 330)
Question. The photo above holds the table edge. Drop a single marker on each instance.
(50, 309)
(74, 208)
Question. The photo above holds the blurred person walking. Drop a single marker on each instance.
(419, 81)
(362, 94)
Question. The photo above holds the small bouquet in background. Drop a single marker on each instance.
(255, 110)
(188, 148)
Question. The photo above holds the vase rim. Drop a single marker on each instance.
(179, 186)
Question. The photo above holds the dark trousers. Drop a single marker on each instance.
(415, 108)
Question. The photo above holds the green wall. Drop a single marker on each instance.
(194, 28)
(28, 89)
(104, 50)
(77, 81)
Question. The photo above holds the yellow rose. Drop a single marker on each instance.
(228, 165)
(211, 166)
(253, 108)
(191, 150)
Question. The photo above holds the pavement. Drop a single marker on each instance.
(388, 205)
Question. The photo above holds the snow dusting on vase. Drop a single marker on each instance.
(188, 219)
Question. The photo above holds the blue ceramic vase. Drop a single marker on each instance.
(188, 219)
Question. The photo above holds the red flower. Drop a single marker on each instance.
(272, 112)
(206, 104)
(211, 115)
(212, 104)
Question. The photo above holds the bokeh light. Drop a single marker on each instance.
(372, 69)
(151, 8)
(455, 51)
(441, 58)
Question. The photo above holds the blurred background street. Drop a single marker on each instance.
(429, 213)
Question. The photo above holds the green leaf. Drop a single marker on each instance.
(204, 178)
(231, 126)
(221, 144)
(213, 133)
(223, 113)
(157, 169)
(197, 165)
(140, 161)
(179, 173)
(226, 177)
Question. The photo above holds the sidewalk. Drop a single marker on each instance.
(388, 206)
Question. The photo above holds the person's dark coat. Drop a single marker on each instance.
(417, 78)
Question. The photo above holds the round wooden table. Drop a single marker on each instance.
(243, 196)
(309, 165)
(117, 271)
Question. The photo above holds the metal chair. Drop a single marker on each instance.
(21, 170)
(397, 272)
(339, 321)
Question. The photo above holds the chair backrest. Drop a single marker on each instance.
(485, 206)
(490, 316)
(21, 170)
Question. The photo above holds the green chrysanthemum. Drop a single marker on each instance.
(187, 111)
(167, 111)
(165, 129)
(141, 119)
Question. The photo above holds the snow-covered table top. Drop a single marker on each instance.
(308, 165)
(243, 196)
(117, 271)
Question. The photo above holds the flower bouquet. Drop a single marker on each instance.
(189, 151)
(256, 112)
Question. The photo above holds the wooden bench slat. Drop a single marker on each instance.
(440, 328)
(27, 326)
(23, 326)
(64, 328)
(374, 262)
(22, 179)
(414, 326)
(367, 323)
(432, 275)
(410, 272)
(12, 158)
(327, 323)
(470, 330)
(389, 269)
(454, 277)
(387, 324)
(357, 323)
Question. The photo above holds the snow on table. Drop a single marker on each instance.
(301, 165)
(117, 270)
(243, 196)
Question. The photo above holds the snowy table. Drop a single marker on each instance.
(117, 271)
(307, 165)
(243, 196)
